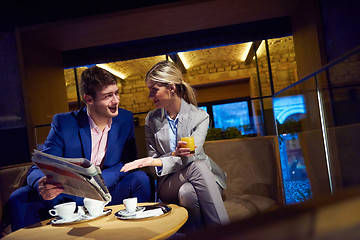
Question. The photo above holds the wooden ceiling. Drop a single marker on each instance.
(154, 21)
(20, 13)
(92, 32)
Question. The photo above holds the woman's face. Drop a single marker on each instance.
(162, 96)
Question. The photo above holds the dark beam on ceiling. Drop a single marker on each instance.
(254, 47)
(176, 59)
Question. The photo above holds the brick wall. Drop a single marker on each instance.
(134, 94)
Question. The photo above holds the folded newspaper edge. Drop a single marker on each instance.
(78, 176)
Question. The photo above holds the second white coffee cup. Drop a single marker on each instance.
(94, 207)
(130, 204)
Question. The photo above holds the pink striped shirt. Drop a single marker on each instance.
(98, 141)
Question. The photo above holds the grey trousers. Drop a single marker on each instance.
(195, 189)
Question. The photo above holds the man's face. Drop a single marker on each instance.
(106, 103)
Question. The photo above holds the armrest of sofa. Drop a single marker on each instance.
(11, 178)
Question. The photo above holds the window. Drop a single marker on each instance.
(230, 114)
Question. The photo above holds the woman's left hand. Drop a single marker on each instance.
(142, 162)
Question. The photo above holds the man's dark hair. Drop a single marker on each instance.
(95, 79)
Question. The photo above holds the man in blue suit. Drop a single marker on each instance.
(100, 132)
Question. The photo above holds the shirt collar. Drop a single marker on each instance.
(170, 119)
(94, 127)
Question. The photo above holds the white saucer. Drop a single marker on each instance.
(59, 220)
(125, 213)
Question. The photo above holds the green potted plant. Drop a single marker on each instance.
(232, 132)
(228, 133)
(214, 134)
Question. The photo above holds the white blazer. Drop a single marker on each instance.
(192, 120)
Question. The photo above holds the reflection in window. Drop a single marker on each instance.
(288, 112)
(289, 107)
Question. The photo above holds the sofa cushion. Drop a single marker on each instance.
(239, 210)
(245, 205)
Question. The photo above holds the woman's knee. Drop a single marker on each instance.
(199, 170)
(199, 166)
(187, 195)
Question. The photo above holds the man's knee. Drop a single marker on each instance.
(22, 208)
(141, 186)
(22, 195)
(141, 178)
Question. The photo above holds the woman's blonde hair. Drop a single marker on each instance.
(167, 73)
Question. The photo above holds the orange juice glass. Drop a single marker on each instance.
(190, 143)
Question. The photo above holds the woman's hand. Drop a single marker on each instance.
(142, 162)
(181, 151)
(48, 188)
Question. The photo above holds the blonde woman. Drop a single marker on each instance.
(192, 180)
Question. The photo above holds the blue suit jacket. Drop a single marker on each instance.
(70, 137)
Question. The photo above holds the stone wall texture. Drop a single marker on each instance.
(134, 93)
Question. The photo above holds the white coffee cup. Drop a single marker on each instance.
(94, 207)
(64, 210)
(130, 204)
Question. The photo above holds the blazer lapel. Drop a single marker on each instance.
(112, 138)
(162, 126)
(184, 125)
(84, 132)
(162, 133)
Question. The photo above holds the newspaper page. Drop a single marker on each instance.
(77, 175)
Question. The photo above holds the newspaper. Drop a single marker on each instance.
(78, 176)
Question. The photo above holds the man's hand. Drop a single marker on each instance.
(48, 188)
(142, 162)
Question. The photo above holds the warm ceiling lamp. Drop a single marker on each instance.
(184, 60)
(245, 52)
